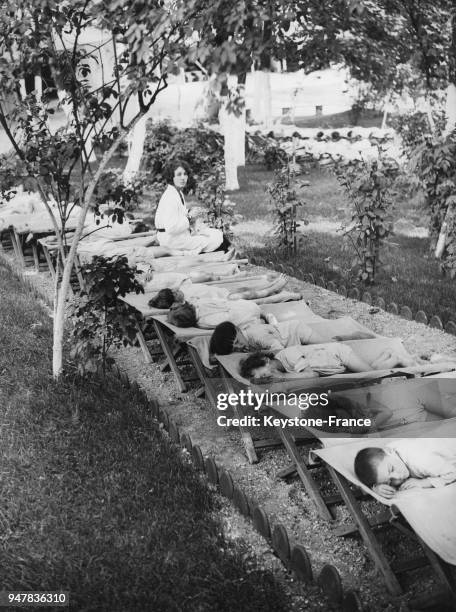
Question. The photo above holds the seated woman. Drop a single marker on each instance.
(190, 292)
(172, 221)
(313, 361)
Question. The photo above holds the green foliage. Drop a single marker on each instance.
(434, 162)
(218, 208)
(200, 147)
(413, 128)
(370, 188)
(274, 157)
(284, 204)
(99, 320)
(120, 196)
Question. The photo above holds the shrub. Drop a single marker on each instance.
(100, 321)
(218, 209)
(434, 162)
(370, 188)
(275, 157)
(284, 205)
(200, 147)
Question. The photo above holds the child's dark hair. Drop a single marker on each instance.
(163, 299)
(366, 463)
(222, 339)
(252, 362)
(182, 315)
(171, 167)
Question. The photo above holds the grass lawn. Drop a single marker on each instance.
(95, 501)
(411, 276)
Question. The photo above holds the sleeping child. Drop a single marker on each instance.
(407, 464)
(325, 359)
(187, 291)
(229, 337)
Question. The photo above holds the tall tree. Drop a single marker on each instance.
(146, 41)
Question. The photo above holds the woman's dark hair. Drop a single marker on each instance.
(252, 362)
(163, 299)
(222, 339)
(171, 167)
(182, 315)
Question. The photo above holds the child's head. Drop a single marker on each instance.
(256, 366)
(182, 315)
(166, 297)
(163, 299)
(375, 466)
(227, 339)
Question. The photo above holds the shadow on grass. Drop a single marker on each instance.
(94, 500)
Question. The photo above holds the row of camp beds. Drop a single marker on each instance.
(27, 244)
(336, 453)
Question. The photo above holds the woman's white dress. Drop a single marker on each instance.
(172, 216)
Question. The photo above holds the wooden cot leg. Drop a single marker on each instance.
(366, 532)
(199, 367)
(36, 258)
(20, 250)
(245, 435)
(142, 343)
(49, 262)
(169, 355)
(18, 247)
(304, 473)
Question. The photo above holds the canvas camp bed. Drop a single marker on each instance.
(30, 235)
(428, 515)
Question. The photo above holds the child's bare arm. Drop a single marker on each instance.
(384, 490)
(416, 483)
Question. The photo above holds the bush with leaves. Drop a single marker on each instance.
(284, 203)
(218, 209)
(275, 157)
(116, 195)
(200, 147)
(370, 186)
(99, 320)
(434, 163)
(414, 128)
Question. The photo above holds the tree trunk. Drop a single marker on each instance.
(262, 103)
(239, 125)
(137, 137)
(450, 109)
(59, 310)
(231, 148)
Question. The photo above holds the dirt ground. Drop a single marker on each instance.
(286, 501)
